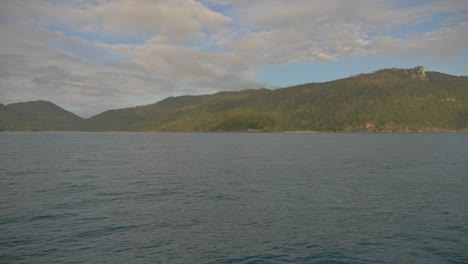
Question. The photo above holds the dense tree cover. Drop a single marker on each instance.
(37, 116)
(387, 100)
(9, 120)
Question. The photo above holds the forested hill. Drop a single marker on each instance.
(390, 100)
(37, 116)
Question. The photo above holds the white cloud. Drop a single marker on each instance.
(48, 49)
(282, 32)
(173, 19)
(444, 41)
(84, 76)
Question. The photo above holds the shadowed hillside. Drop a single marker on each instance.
(37, 116)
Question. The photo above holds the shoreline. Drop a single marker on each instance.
(251, 132)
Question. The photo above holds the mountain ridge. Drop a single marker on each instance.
(387, 100)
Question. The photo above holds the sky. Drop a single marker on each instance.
(89, 56)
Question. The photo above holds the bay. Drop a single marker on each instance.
(233, 198)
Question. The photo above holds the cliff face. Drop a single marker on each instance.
(417, 73)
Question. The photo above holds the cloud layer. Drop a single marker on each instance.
(90, 56)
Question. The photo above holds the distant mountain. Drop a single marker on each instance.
(37, 116)
(390, 100)
(9, 120)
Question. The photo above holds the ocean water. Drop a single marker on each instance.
(233, 198)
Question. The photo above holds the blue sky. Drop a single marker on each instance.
(90, 56)
(297, 73)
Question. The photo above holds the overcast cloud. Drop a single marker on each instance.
(90, 56)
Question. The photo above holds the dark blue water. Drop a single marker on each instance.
(233, 198)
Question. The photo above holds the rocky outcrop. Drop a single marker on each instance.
(417, 73)
(369, 127)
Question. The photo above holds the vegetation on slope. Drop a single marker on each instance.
(9, 120)
(37, 116)
(387, 100)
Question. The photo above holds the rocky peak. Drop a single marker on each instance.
(417, 73)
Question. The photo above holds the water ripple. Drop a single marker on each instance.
(233, 198)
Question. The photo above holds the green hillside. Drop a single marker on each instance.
(387, 100)
(9, 120)
(390, 100)
(37, 116)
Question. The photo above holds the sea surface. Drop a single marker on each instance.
(233, 198)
